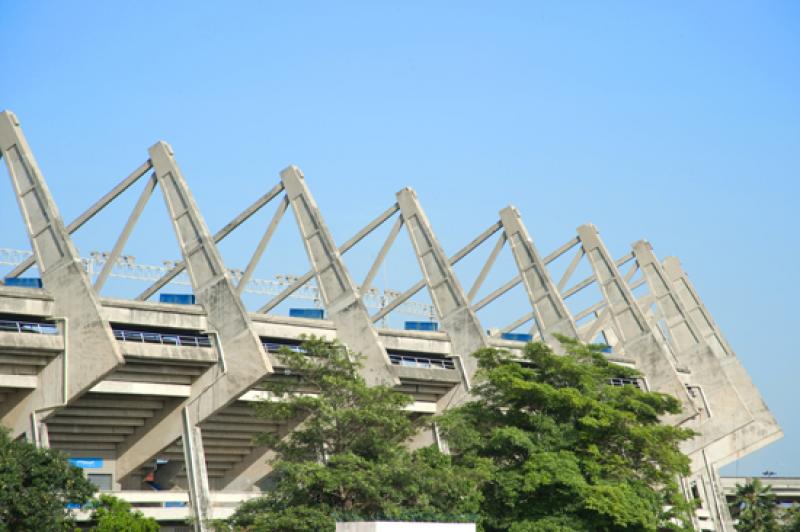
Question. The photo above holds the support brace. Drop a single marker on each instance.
(246, 363)
(455, 313)
(550, 311)
(339, 294)
(93, 350)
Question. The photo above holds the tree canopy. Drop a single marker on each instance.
(111, 514)
(35, 487)
(348, 458)
(755, 508)
(569, 451)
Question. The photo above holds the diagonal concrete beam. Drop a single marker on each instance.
(764, 429)
(636, 336)
(244, 362)
(90, 351)
(549, 309)
(458, 319)
(339, 293)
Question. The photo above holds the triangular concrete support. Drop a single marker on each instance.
(549, 309)
(455, 313)
(243, 362)
(339, 293)
(90, 351)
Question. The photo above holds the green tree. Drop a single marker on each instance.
(569, 451)
(35, 487)
(348, 458)
(112, 515)
(791, 519)
(755, 508)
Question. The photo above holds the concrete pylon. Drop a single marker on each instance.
(636, 337)
(764, 428)
(243, 360)
(549, 309)
(452, 306)
(339, 293)
(90, 351)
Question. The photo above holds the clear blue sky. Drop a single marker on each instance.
(675, 122)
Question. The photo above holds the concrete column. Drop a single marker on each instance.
(637, 338)
(549, 309)
(452, 306)
(196, 475)
(243, 360)
(764, 428)
(339, 293)
(90, 351)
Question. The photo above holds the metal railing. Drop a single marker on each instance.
(273, 347)
(28, 327)
(421, 362)
(183, 340)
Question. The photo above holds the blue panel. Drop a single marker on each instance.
(87, 463)
(25, 282)
(517, 337)
(178, 299)
(421, 326)
(312, 313)
(174, 504)
(607, 349)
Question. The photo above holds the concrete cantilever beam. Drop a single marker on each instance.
(454, 310)
(637, 337)
(90, 345)
(550, 311)
(245, 364)
(339, 293)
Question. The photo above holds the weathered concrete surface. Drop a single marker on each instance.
(455, 313)
(764, 428)
(339, 293)
(247, 362)
(726, 412)
(90, 351)
(550, 311)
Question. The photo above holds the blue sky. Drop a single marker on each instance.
(675, 122)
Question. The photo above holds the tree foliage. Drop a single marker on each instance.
(568, 451)
(111, 514)
(35, 487)
(755, 508)
(791, 519)
(348, 458)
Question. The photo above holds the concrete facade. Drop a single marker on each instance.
(149, 392)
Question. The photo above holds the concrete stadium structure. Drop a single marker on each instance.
(146, 393)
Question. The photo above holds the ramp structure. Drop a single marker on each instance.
(153, 394)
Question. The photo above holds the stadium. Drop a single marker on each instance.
(151, 395)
